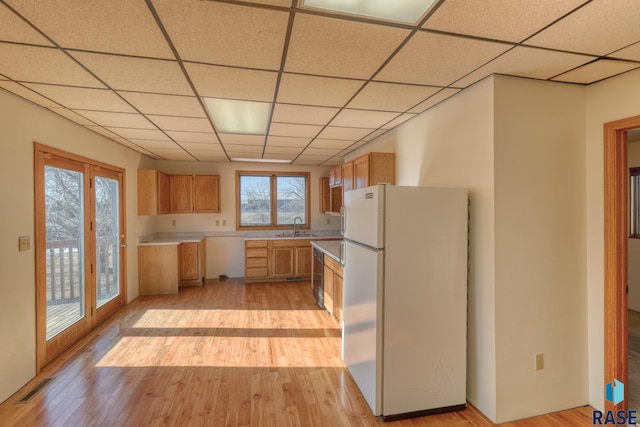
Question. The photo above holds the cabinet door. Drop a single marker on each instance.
(304, 261)
(163, 193)
(361, 172)
(337, 175)
(328, 289)
(325, 195)
(337, 296)
(189, 262)
(181, 193)
(147, 192)
(347, 176)
(207, 193)
(282, 262)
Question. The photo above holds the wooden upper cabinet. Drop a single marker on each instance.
(325, 194)
(335, 176)
(347, 176)
(181, 192)
(361, 172)
(374, 168)
(207, 193)
(153, 192)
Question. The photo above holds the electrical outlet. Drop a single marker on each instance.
(173, 222)
(217, 222)
(224, 222)
(24, 243)
(328, 220)
(539, 361)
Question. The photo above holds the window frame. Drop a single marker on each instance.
(273, 175)
(634, 203)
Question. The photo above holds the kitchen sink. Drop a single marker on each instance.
(300, 235)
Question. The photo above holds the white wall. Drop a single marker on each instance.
(633, 160)
(606, 101)
(540, 247)
(451, 145)
(22, 123)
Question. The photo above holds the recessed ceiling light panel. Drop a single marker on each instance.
(235, 116)
(407, 11)
(244, 159)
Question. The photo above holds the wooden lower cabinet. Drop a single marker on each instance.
(192, 263)
(333, 288)
(267, 260)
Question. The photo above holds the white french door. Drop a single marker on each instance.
(80, 248)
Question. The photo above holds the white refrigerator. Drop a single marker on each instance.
(405, 297)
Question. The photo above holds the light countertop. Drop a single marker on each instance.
(329, 247)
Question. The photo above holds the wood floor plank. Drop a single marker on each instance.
(226, 354)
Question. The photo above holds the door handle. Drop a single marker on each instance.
(343, 220)
(343, 254)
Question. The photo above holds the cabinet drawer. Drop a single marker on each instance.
(256, 262)
(256, 272)
(290, 243)
(255, 244)
(256, 252)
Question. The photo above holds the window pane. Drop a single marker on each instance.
(291, 199)
(107, 240)
(64, 216)
(255, 200)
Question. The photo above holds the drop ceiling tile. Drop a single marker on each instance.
(205, 156)
(308, 160)
(104, 132)
(186, 124)
(14, 29)
(287, 141)
(168, 105)
(210, 148)
(43, 65)
(285, 129)
(391, 96)
(168, 154)
(134, 147)
(362, 118)
(303, 114)
(237, 139)
(281, 3)
(398, 121)
(123, 120)
(631, 52)
(129, 133)
(27, 94)
(234, 150)
(344, 133)
(324, 152)
(339, 47)
(97, 25)
(435, 99)
(316, 91)
(196, 137)
(74, 117)
(529, 62)
(584, 30)
(233, 83)
(368, 138)
(290, 151)
(281, 156)
(136, 74)
(151, 144)
(225, 34)
(438, 59)
(334, 161)
(595, 71)
(331, 143)
(509, 20)
(79, 98)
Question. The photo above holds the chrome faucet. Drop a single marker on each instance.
(295, 232)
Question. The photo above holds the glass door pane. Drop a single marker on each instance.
(107, 217)
(64, 224)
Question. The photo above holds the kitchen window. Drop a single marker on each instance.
(634, 203)
(272, 200)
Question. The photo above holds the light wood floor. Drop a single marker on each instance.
(226, 354)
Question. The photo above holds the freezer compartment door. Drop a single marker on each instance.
(362, 317)
(364, 216)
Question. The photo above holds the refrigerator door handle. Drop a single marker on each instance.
(343, 254)
(343, 220)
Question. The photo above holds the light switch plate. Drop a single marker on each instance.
(24, 243)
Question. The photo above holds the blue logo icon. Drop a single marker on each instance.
(615, 392)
